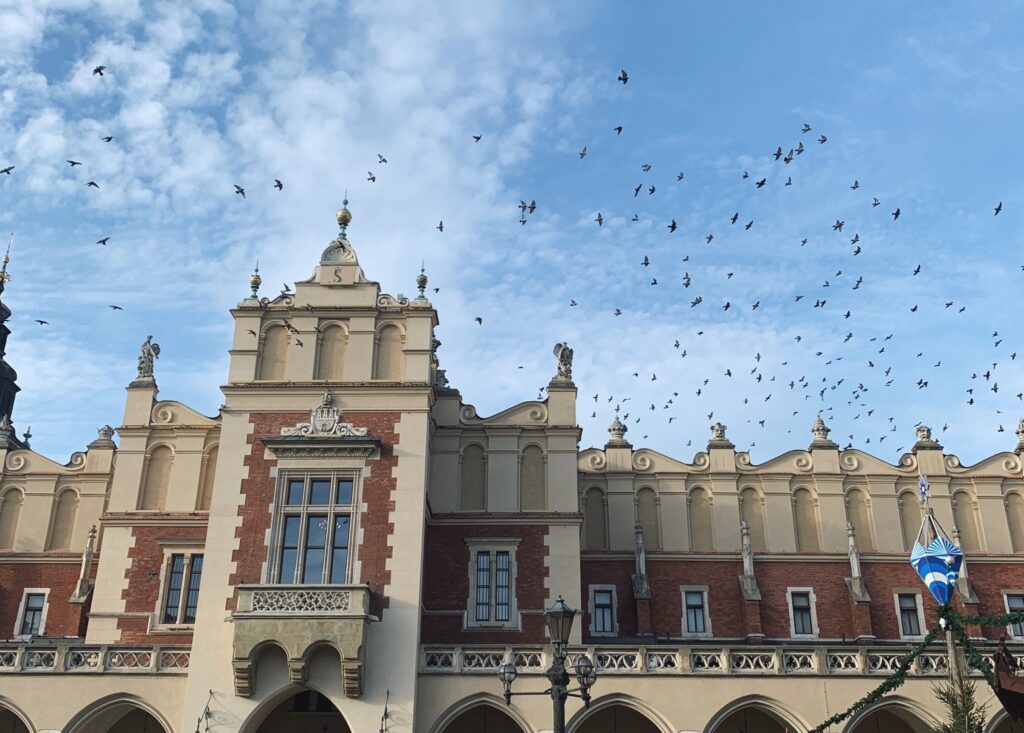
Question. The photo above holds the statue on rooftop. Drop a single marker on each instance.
(149, 353)
(564, 355)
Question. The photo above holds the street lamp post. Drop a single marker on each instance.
(559, 619)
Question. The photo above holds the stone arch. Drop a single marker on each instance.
(473, 478)
(595, 518)
(10, 509)
(332, 346)
(770, 710)
(648, 514)
(805, 520)
(118, 713)
(273, 704)
(533, 482)
(699, 513)
(752, 512)
(601, 707)
(1001, 722)
(858, 513)
(388, 356)
(13, 719)
(62, 526)
(296, 655)
(892, 714)
(207, 474)
(1015, 519)
(910, 517)
(965, 519)
(156, 479)
(274, 342)
(474, 702)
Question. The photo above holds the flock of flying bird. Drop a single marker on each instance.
(757, 372)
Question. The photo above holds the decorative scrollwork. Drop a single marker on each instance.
(482, 660)
(538, 413)
(803, 462)
(385, 301)
(908, 461)
(798, 662)
(82, 659)
(301, 601)
(129, 659)
(17, 461)
(597, 460)
(528, 660)
(952, 462)
(8, 659)
(884, 661)
(662, 661)
(617, 660)
(438, 660)
(701, 460)
(743, 459)
(1012, 464)
(933, 663)
(76, 462)
(175, 660)
(163, 414)
(642, 461)
(752, 661)
(843, 662)
(467, 413)
(38, 660)
(849, 461)
(706, 661)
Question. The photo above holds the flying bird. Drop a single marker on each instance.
(760, 184)
(278, 185)
(623, 76)
(381, 158)
(583, 153)
(440, 226)
(806, 128)
(93, 184)
(822, 139)
(107, 138)
(115, 307)
(476, 138)
(73, 163)
(672, 226)
(239, 190)
(999, 207)
(370, 177)
(599, 219)
(103, 241)
(618, 129)
(42, 323)
(855, 185)
(98, 71)
(479, 320)
(7, 170)
(896, 214)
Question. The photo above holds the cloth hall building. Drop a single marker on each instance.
(348, 546)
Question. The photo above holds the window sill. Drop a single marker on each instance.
(173, 629)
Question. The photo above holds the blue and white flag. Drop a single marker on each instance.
(922, 487)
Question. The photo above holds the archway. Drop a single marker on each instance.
(483, 718)
(616, 718)
(895, 715)
(754, 714)
(304, 711)
(11, 722)
(1005, 725)
(118, 714)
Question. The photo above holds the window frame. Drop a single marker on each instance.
(189, 550)
(1006, 604)
(896, 593)
(332, 510)
(592, 592)
(492, 546)
(19, 619)
(703, 590)
(812, 599)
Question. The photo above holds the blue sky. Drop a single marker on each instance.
(922, 109)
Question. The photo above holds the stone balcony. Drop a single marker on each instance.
(299, 619)
(57, 658)
(782, 660)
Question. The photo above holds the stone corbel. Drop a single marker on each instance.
(297, 670)
(243, 677)
(352, 677)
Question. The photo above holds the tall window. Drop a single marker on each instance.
(910, 617)
(1015, 604)
(32, 615)
(314, 529)
(492, 585)
(696, 620)
(602, 610)
(801, 611)
(181, 598)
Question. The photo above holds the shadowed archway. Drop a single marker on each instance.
(483, 718)
(11, 722)
(616, 718)
(754, 714)
(892, 715)
(119, 714)
(304, 711)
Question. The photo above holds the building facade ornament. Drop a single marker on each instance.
(641, 583)
(564, 355)
(324, 420)
(104, 437)
(340, 251)
(442, 378)
(924, 439)
(149, 352)
(718, 431)
(617, 433)
(1020, 436)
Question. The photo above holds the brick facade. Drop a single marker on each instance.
(56, 571)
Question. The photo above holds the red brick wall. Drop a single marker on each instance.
(832, 597)
(378, 495)
(146, 559)
(61, 577)
(446, 583)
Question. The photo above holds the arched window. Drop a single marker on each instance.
(63, 520)
(274, 354)
(532, 479)
(331, 361)
(10, 509)
(805, 517)
(473, 489)
(647, 515)
(388, 364)
(595, 521)
(964, 519)
(752, 512)
(1015, 518)
(857, 515)
(157, 479)
(910, 517)
(701, 536)
(206, 479)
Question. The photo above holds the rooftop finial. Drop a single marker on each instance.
(255, 281)
(4, 275)
(344, 215)
(421, 281)
(1020, 436)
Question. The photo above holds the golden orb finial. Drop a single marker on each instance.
(344, 215)
(255, 280)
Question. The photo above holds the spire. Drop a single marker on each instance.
(8, 377)
(255, 281)
(421, 284)
(617, 433)
(820, 432)
(340, 251)
(344, 215)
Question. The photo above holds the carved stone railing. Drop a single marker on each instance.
(298, 617)
(698, 660)
(93, 659)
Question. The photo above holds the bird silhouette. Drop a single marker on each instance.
(98, 71)
(278, 185)
(103, 241)
(623, 76)
(239, 190)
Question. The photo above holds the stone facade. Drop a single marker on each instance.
(348, 546)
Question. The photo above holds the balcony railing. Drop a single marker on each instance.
(303, 600)
(91, 659)
(698, 661)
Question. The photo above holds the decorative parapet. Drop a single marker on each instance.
(93, 659)
(299, 618)
(779, 660)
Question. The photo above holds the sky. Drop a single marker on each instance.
(921, 109)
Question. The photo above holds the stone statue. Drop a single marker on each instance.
(564, 355)
(924, 432)
(442, 378)
(150, 352)
(718, 431)
(639, 551)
